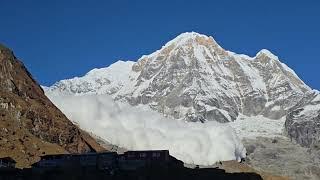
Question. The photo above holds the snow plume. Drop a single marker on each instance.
(139, 128)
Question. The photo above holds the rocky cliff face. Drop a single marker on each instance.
(194, 79)
(30, 125)
(303, 122)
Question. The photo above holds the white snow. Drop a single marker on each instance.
(288, 69)
(261, 52)
(253, 75)
(211, 108)
(139, 128)
(45, 88)
(269, 103)
(276, 108)
(241, 56)
(118, 68)
(184, 38)
(180, 40)
(311, 109)
(267, 53)
(98, 81)
(257, 126)
(317, 98)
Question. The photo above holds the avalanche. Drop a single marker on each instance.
(139, 128)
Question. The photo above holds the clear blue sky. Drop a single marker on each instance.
(60, 39)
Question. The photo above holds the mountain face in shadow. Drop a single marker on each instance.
(30, 124)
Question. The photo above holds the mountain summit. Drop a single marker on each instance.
(193, 78)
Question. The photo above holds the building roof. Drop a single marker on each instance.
(8, 159)
(166, 151)
(55, 156)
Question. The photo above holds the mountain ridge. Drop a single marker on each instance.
(30, 123)
(193, 78)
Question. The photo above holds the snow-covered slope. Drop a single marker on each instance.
(258, 126)
(97, 81)
(193, 78)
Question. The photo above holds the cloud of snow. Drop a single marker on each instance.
(139, 128)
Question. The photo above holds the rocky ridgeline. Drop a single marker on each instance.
(30, 125)
(194, 79)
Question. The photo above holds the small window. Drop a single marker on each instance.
(131, 155)
(155, 154)
(143, 154)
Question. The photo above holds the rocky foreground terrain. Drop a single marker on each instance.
(30, 125)
(280, 156)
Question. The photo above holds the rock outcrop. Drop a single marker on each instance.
(303, 122)
(280, 156)
(30, 125)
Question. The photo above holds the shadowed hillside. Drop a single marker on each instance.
(30, 125)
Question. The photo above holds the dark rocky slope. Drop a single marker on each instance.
(30, 125)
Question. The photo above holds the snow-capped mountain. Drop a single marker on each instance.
(107, 80)
(193, 78)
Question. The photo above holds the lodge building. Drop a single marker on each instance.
(7, 162)
(130, 160)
